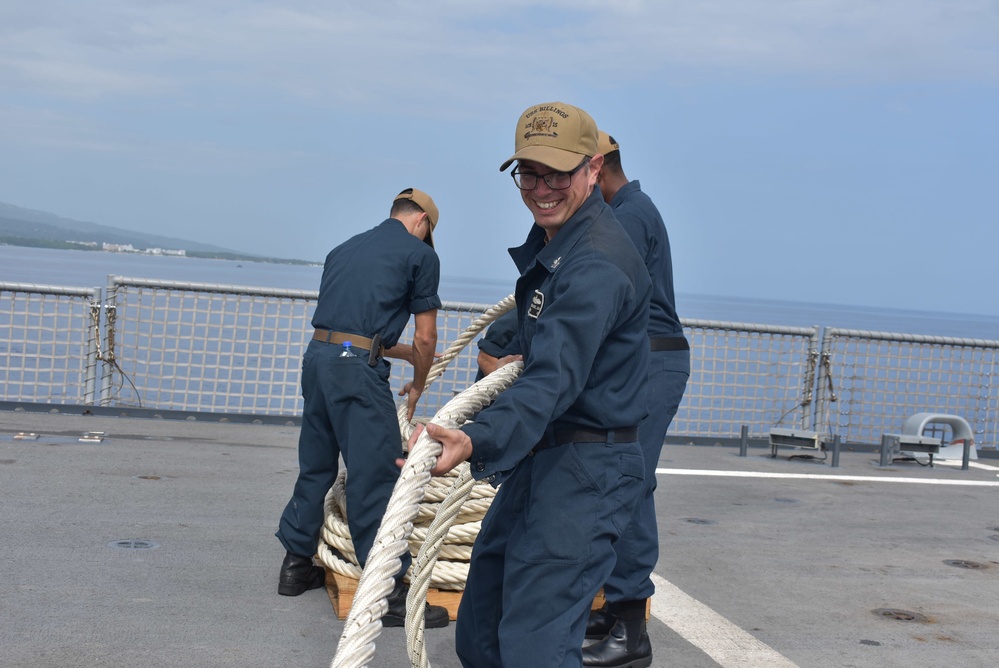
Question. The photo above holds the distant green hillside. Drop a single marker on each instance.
(27, 227)
(249, 258)
(41, 243)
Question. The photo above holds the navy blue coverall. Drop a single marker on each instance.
(371, 284)
(638, 548)
(498, 340)
(545, 545)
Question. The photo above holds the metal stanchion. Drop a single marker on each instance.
(835, 452)
(886, 447)
(743, 440)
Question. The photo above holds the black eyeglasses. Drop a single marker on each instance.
(554, 180)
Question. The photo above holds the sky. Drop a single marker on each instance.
(831, 151)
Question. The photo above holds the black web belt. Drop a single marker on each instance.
(660, 343)
(588, 435)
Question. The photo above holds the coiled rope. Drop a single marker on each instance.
(336, 550)
(363, 625)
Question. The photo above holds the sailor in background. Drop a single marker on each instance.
(371, 284)
(619, 625)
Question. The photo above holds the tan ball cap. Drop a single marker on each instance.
(606, 143)
(555, 134)
(425, 202)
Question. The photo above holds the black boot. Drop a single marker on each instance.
(627, 645)
(299, 574)
(601, 622)
(434, 617)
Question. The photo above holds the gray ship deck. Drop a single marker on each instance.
(765, 562)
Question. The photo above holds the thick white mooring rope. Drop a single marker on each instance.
(336, 550)
(363, 625)
(453, 350)
(455, 413)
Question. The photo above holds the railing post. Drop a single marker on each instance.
(743, 440)
(835, 452)
(107, 368)
(93, 350)
(814, 374)
(886, 447)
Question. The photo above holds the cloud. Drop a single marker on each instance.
(230, 118)
(375, 53)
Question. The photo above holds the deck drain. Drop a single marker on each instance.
(899, 615)
(149, 477)
(132, 544)
(961, 563)
(696, 520)
(781, 499)
(872, 643)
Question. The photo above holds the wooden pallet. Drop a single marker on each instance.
(341, 588)
(599, 600)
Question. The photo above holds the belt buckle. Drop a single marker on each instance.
(374, 351)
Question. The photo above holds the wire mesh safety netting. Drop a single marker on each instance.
(878, 379)
(221, 348)
(205, 347)
(744, 374)
(48, 343)
(228, 349)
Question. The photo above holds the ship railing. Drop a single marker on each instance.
(871, 382)
(237, 350)
(49, 338)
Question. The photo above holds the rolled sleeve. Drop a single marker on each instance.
(422, 304)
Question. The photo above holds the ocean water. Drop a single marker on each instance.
(90, 269)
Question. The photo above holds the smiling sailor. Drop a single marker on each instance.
(563, 438)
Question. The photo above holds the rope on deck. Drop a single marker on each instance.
(363, 625)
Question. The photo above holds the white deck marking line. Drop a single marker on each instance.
(723, 641)
(812, 476)
(727, 644)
